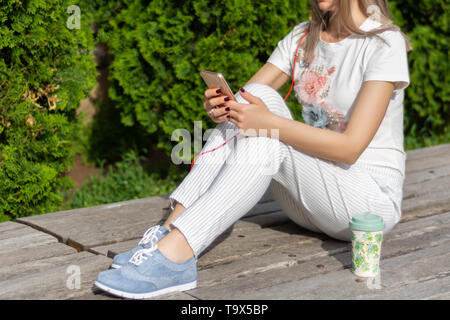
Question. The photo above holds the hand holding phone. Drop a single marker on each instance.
(217, 80)
(215, 99)
(217, 110)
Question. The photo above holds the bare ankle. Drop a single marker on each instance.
(177, 210)
(175, 247)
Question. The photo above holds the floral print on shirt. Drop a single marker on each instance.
(311, 90)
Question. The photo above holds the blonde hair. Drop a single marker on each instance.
(320, 20)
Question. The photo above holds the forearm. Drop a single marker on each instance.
(317, 142)
(269, 75)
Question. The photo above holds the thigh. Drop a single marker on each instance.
(328, 194)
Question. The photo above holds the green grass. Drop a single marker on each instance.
(125, 180)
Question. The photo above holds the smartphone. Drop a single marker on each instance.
(217, 80)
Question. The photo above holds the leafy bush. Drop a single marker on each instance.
(126, 180)
(107, 139)
(45, 71)
(427, 99)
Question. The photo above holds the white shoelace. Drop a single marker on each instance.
(141, 255)
(150, 235)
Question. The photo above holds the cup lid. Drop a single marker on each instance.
(366, 221)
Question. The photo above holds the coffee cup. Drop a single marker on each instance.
(367, 235)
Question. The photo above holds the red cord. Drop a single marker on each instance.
(292, 84)
(212, 149)
(295, 60)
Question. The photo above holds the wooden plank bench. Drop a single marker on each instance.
(262, 256)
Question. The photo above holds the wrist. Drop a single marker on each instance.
(274, 127)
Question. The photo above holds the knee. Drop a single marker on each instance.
(255, 88)
(390, 225)
(271, 98)
(344, 234)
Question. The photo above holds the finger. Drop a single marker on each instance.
(232, 120)
(213, 92)
(222, 118)
(221, 115)
(249, 97)
(206, 105)
(236, 106)
(220, 112)
(222, 109)
(235, 115)
(212, 113)
(214, 102)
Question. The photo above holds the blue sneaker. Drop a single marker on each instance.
(150, 237)
(149, 274)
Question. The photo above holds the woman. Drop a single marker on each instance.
(347, 158)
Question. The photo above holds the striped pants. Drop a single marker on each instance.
(317, 194)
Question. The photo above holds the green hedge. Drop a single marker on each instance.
(427, 99)
(45, 71)
(159, 47)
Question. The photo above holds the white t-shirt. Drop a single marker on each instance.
(335, 76)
